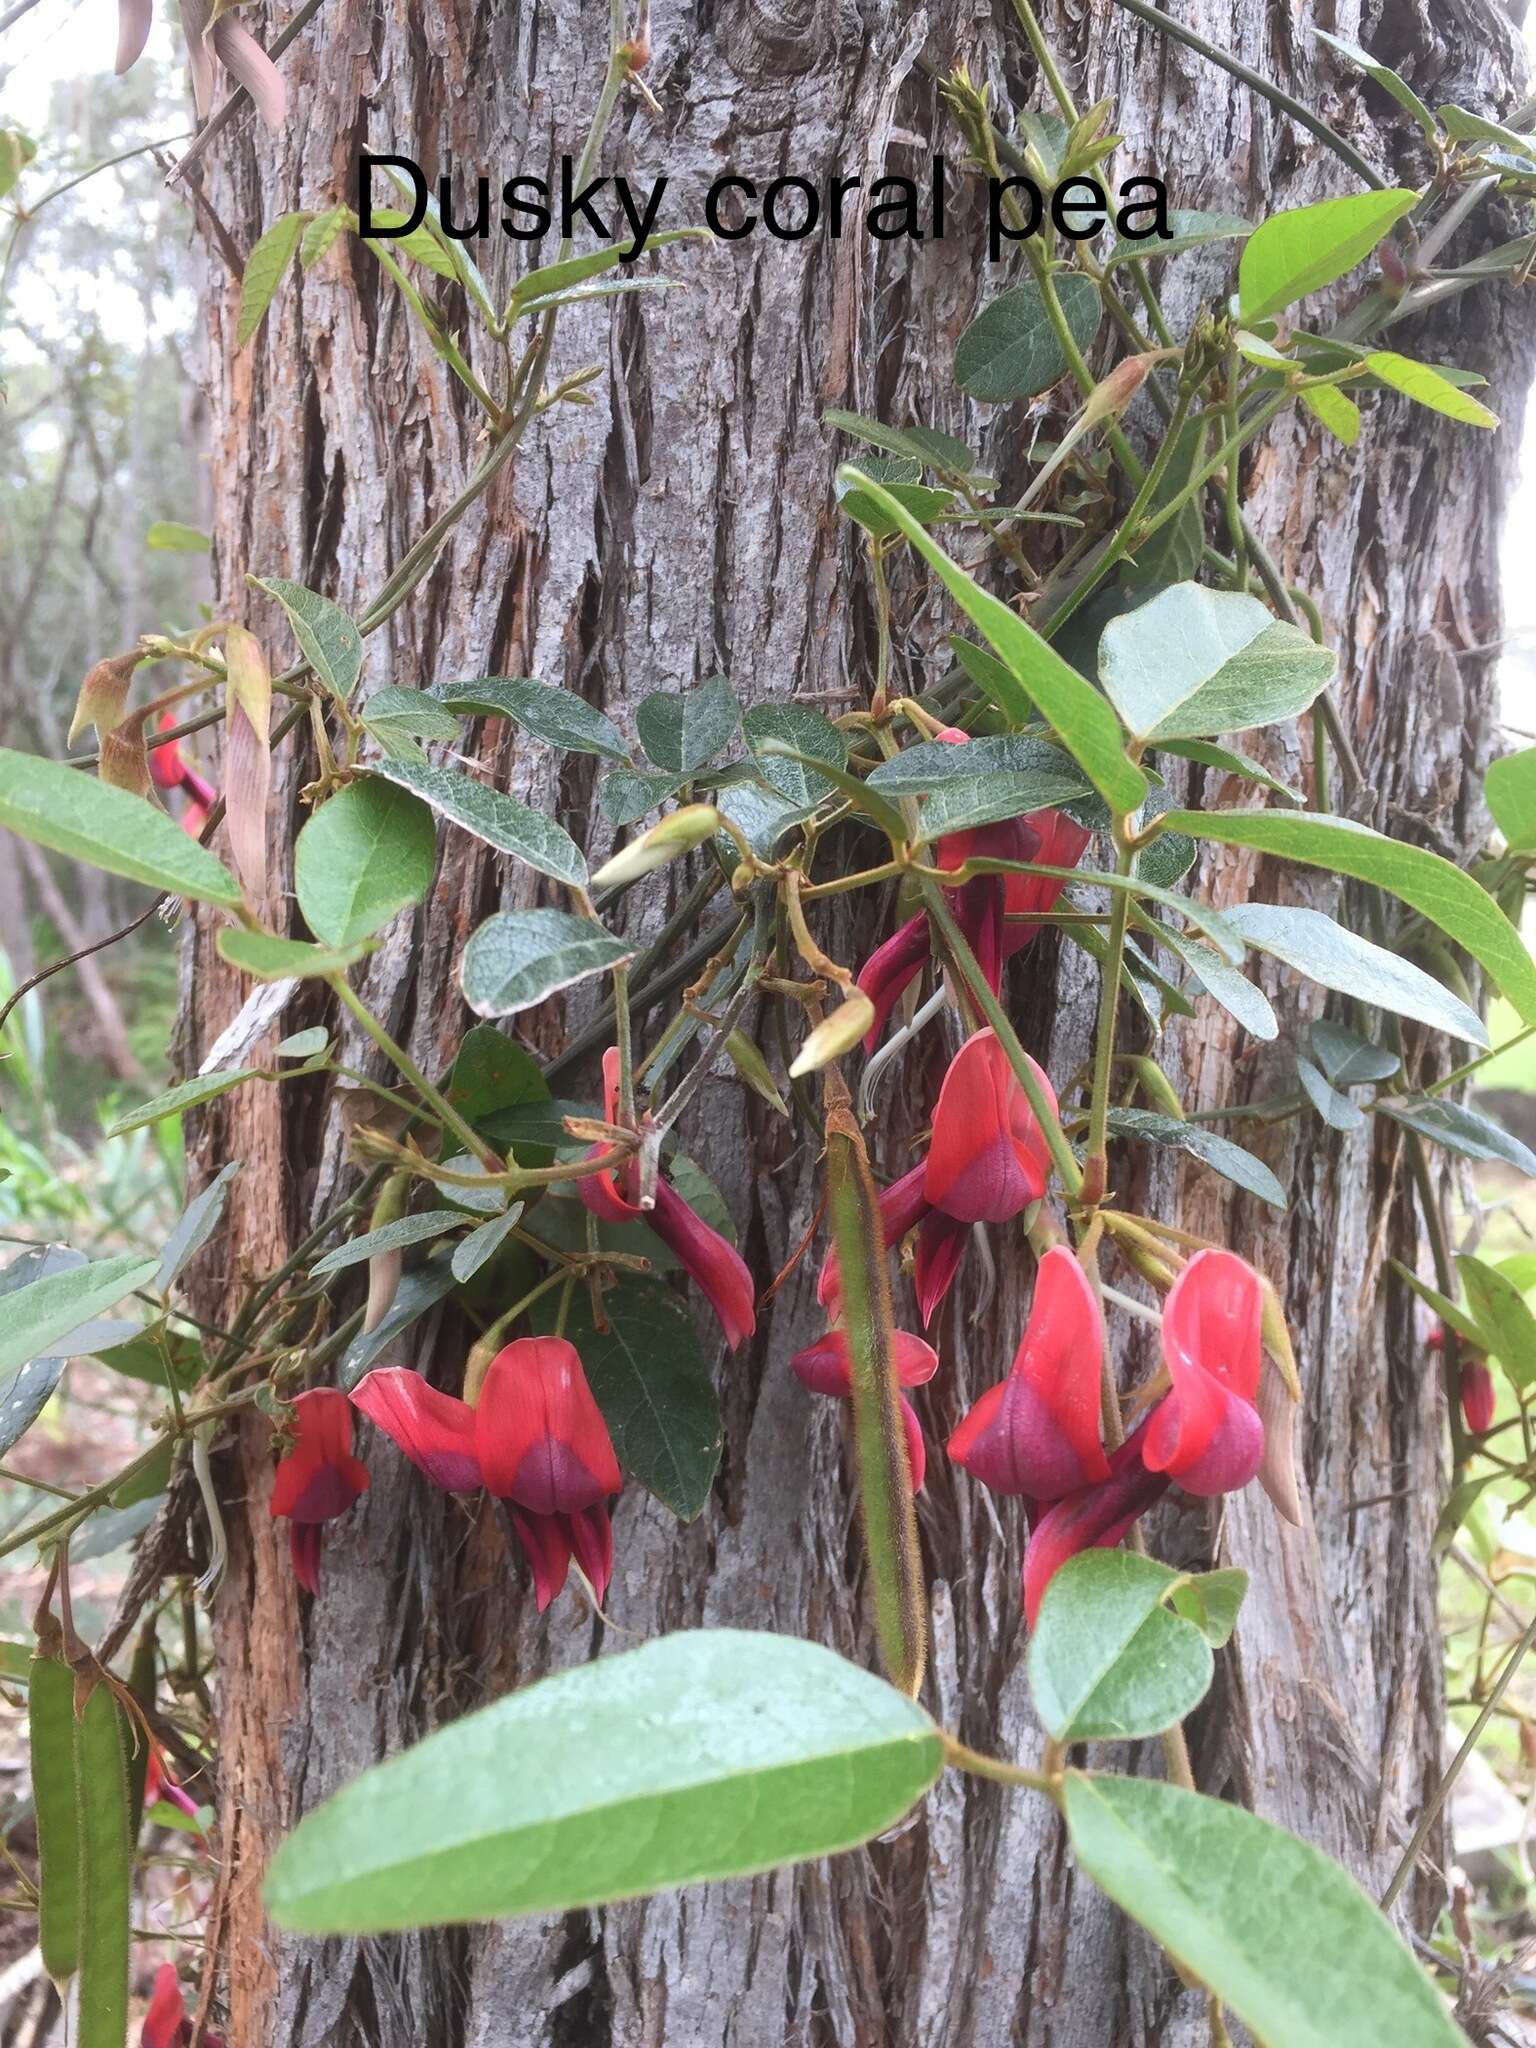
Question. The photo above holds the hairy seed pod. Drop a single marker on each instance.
(51, 1724)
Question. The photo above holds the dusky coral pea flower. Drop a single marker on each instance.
(169, 771)
(824, 1367)
(166, 2024)
(535, 1438)
(987, 1161)
(1037, 1433)
(991, 910)
(1207, 1434)
(1095, 1517)
(714, 1264)
(319, 1478)
(159, 1784)
(1474, 1385)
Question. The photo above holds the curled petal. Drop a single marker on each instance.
(891, 969)
(1062, 841)
(547, 1547)
(435, 1431)
(917, 1450)
(1097, 1517)
(165, 764)
(1203, 1435)
(988, 1158)
(824, 1367)
(304, 1548)
(165, 2024)
(591, 1539)
(707, 1258)
(941, 1246)
(601, 1194)
(540, 1438)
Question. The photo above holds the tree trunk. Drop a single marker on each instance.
(682, 525)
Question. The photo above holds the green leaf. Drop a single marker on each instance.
(1336, 1110)
(328, 640)
(1231, 762)
(1510, 788)
(389, 1237)
(922, 501)
(1237, 995)
(812, 738)
(1011, 350)
(423, 1287)
(1501, 1310)
(396, 716)
(366, 854)
(492, 816)
(919, 444)
(1444, 894)
(649, 1375)
(928, 767)
(185, 1095)
(625, 796)
(1302, 250)
(45, 1311)
(264, 269)
(71, 813)
(420, 243)
(707, 1754)
(551, 278)
(1081, 719)
(1340, 959)
(1193, 663)
(558, 717)
(272, 959)
(143, 1358)
(961, 804)
(171, 537)
(1336, 409)
(1176, 550)
(193, 1228)
(304, 1045)
(1427, 387)
(1384, 76)
(1469, 127)
(27, 1392)
(1462, 1130)
(1453, 1317)
(1211, 1601)
(1107, 1659)
(1228, 1159)
(1349, 1060)
(492, 1074)
(522, 957)
(1191, 230)
(482, 1244)
(1278, 1932)
(17, 150)
(877, 808)
(681, 730)
(321, 233)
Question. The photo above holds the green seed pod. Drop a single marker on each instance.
(141, 1683)
(106, 1865)
(51, 1718)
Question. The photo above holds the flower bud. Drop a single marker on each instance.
(102, 696)
(835, 1035)
(679, 833)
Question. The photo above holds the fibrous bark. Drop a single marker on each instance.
(683, 525)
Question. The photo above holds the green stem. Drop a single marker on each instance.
(1050, 71)
(401, 1059)
(624, 1041)
(977, 1765)
(1096, 1169)
(1062, 1155)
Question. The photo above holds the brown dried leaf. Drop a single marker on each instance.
(125, 758)
(102, 696)
(194, 24)
(249, 65)
(1278, 1412)
(247, 784)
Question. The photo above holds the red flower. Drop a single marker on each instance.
(989, 908)
(159, 1784)
(824, 1368)
(987, 1161)
(1475, 1386)
(536, 1439)
(168, 771)
(1037, 1433)
(1097, 1517)
(716, 1265)
(166, 2024)
(319, 1478)
(1207, 1434)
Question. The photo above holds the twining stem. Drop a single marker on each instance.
(1096, 1169)
(880, 1438)
(1063, 1157)
(401, 1059)
(623, 1039)
(1050, 71)
(1442, 1791)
